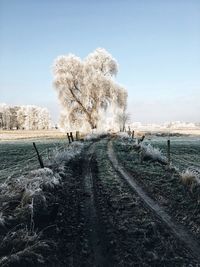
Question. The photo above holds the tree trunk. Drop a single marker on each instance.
(92, 124)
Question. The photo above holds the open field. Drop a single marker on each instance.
(18, 157)
(26, 134)
(187, 131)
(185, 150)
(165, 131)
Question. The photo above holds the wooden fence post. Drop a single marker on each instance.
(69, 139)
(71, 136)
(141, 140)
(77, 135)
(38, 155)
(129, 130)
(168, 152)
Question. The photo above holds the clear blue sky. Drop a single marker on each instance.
(156, 43)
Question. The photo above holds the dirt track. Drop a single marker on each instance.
(121, 229)
(159, 211)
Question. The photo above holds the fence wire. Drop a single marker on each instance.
(30, 161)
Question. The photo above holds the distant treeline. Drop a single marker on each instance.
(24, 117)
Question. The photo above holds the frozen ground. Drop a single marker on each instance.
(164, 185)
(181, 128)
(27, 134)
(185, 150)
(19, 156)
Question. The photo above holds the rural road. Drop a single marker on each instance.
(123, 225)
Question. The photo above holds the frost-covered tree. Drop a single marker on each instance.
(44, 121)
(5, 116)
(24, 117)
(122, 119)
(2, 114)
(13, 117)
(21, 117)
(86, 89)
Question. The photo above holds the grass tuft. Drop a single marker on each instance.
(190, 177)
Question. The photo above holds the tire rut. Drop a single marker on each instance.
(96, 241)
(179, 232)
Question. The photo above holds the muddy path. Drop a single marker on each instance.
(95, 235)
(120, 228)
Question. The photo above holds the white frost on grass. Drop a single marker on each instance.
(125, 139)
(45, 177)
(190, 177)
(95, 136)
(28, 197)
(147, 151)
(123, 135)
(28, 186)
(36, 182)
(152, 153)
(27, 248)
(61, 157)
(2, 219)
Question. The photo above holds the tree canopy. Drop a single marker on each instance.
(86, 89)
(27, 117)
